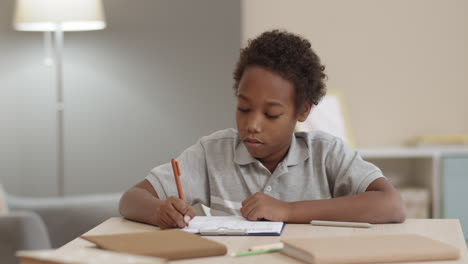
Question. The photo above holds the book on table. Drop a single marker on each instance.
(83, 255)
(369, 249)
(169, 244)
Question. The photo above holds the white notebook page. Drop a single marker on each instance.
(232, 223)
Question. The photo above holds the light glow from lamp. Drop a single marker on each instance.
(64, 15)
(58, 16)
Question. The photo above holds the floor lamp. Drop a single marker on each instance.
(53, 17)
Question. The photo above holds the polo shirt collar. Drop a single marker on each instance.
(242, 155)
(298, 152)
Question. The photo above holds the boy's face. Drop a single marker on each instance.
(266, 113)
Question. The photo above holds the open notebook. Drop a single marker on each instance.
(232, 226)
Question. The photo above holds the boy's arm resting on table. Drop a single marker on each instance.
(380, 203)
(141, 203)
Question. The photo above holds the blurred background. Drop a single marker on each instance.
(159, 77)
(137, 93)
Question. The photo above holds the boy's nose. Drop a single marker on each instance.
(254, 125)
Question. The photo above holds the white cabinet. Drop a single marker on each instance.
(427, 169)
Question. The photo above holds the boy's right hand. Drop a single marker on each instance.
(174, 213)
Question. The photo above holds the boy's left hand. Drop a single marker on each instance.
(261, 206)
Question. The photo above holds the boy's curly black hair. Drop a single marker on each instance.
(292, 57)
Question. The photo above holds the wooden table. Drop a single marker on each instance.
(445, 230)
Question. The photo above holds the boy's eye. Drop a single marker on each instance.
(272, 116)
(243, 110)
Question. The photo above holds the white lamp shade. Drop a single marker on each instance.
(50, 15)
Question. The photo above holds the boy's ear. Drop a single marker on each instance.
(304, 112)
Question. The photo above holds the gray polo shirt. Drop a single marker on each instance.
(219, 172)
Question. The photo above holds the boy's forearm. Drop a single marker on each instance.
(139, 205)
(371, 207)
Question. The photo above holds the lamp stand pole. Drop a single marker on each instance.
(58, 49)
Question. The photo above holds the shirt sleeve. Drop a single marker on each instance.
(347, 172)
(193, 176)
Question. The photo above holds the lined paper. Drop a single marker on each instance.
(200, 223)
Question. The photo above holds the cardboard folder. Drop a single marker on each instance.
(369, 249)
(82, 256)
(169, 244)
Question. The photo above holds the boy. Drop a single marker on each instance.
(264, 170)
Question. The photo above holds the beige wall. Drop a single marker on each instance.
(402, 65)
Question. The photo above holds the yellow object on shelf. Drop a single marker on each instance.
(440, 139)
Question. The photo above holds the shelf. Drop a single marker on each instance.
(410, 152)
(422, 167)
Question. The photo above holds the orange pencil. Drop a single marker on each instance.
(176, 170)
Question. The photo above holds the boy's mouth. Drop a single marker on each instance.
(252, 142)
